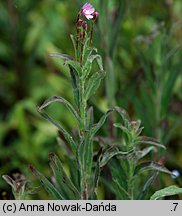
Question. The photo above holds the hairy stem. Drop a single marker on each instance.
(83, 109)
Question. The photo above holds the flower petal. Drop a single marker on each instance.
(88, 16)
(90, 11)
(87, 6)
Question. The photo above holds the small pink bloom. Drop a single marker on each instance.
(88, 11)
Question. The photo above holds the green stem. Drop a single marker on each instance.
(83, 105)
(83, 108)
(130, 177)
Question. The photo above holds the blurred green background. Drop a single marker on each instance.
(140, 42)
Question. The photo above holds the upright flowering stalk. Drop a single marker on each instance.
(83, 179)
(84, 85)
(87, 11)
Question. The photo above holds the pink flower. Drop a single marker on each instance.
(88, 11)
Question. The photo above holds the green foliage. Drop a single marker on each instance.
(168, 191)
(140, 45)
(18, 188)
(49, 187)
(84, 86)
(128, 172)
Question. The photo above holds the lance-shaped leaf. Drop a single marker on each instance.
(88, 65)
(65, 185)
(61, 55)
(110, 153)
(75, 84)
(88, 144)
(74, 45)
(96, 174)
(68, 60)
(76, 66)
(124, 115)
(10, 181)
(66, 135)
(93, 84)
(49, 187)
(97, 126)
(96, 181)
(168, 191)
(147, 186)
(60, 100)
(151, 166)
(125, 130)
(18, 186)
(142, 153)
(150, 141)
(74, 171)
(90, 117)
(119, 171)
(123, 194)
(88, 52)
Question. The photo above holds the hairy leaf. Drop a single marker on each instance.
(90, 118)
(10, 181)
(74, 45)
(93, 84)
(65, 184)
(75, 84)
(49, 187)
(123, 194)
(66, 135)
(110, 153)
(147, 186)
(97, 126)
(69, 60)
(76, 66)
(142, 153)
(119, 172)
(124, 115)
(61, 55)
(149, 140)
(124, 129)
(88, 65)
(88, 52)
(97, 174)
(168, 191)
(60, 100)
(151, 166)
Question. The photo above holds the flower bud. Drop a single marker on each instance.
(81, 35)
(79, 22)
(84, 25)
(95, 15)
